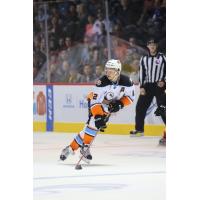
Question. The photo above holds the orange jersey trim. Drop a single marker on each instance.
(96, 109)
(126, 100)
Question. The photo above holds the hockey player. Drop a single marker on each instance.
(112, 92)
(161, 111)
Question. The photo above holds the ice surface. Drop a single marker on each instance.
(122, 168)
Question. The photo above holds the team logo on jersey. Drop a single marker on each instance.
(109, 95)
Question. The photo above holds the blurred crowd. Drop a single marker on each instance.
(77, 36)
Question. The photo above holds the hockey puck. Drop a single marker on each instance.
(78, 167)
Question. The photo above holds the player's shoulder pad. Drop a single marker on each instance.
(125, 81)
(103, 81)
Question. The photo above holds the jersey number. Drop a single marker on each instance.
(92, 95)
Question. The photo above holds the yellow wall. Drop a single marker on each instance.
(150, 130)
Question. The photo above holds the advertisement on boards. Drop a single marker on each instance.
(39, 103)
(70, 105)
(50, 107)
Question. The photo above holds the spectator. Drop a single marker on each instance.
(41, 28)
(62, 56)
(39, 60)
(76, 19)
(119, 48)
(43, 46)
(82, 21)
(74, 76)
(71, 15)
(70, 54)
(89, 33)
(147, 8)
(94, 55)
(135, 72)
(81, 12)
(54, 28)
(85, 55)
(97, 24)
(62, 72)
(70, 20)
(129, 12)
(152, 20)
(94, 5)
(118, 31)
(68, 43)
(88, 75)
(53, 68)
(61, 44)
(36, 43)
(41, 16)
(98, 72)
(134, 48)
(52, 45)
(35, 66)
(55, 13)
(100, 39)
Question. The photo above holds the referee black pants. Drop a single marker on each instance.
(144, 101)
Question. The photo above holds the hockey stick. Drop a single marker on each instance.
(78, 166)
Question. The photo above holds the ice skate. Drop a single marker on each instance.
(85, 152)
(136, 133)
(66, 152)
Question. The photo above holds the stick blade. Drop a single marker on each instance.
(78, 167)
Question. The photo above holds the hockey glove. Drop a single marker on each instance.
(100, 122)
(160, 111)
(115, 106)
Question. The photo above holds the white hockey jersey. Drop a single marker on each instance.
(106, 91)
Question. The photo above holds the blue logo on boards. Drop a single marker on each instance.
(83, 103)
(50, 110)
(68, 98)
(68, 101)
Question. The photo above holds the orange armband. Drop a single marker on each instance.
(96, 109)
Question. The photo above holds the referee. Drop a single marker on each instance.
(152, 84)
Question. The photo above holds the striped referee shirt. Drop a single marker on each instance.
(152, 69)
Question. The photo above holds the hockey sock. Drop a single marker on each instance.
(77, 142)
(89, 135)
